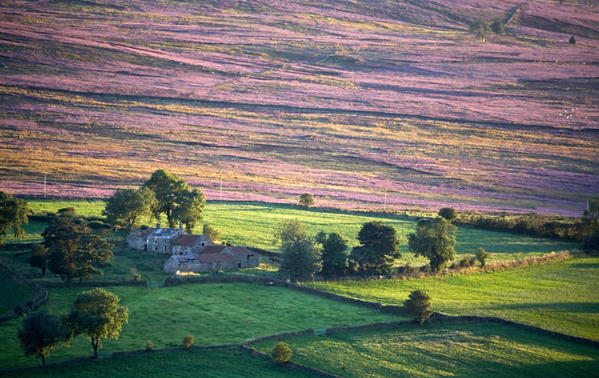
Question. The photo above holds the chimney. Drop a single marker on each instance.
(158, 225)
(181, 228)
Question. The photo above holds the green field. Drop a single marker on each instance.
(252, 224)
(561, 296)
(12, 294)
(446, 349)
(229, 362)
(214, 314)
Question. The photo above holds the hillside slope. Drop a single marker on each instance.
(358, 102)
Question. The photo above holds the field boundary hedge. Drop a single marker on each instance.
(40, 293)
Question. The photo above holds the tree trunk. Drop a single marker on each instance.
(95, 346)
(43, 360)
(43, 271)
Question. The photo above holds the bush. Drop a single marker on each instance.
(281, 353)
(591, 244)
(572, 40)
(210, 232)
(149, 346)
(467, 261)
(306, 200)
(188, 341)
(482, 256)
(137, 277)
(418, 304)
(497, 27)
(448, 213)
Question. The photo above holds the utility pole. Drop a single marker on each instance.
(220, 197)
(385, 200)
(45, 191)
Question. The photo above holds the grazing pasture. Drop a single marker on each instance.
(12, 294)
(228, 362)
(214, 314)
(561, 296)
(253, 224)
(443, 349)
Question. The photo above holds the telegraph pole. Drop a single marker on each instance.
(385, 200)
(220, 197)
(45, 191)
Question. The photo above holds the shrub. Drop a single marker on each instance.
(482, 256)
(188, 341)
(448, 213)
(572, 40)
(467, 261)
(211, 232)
(149, 346)
(306, 200)
(137, 277)
(281, 353)
(418, 304)
(590, 246)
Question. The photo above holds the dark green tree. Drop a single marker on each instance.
(379, 247)
(300, 259)
(418, 304)
(334, 255)
(126, 206)
(306, 200)
(38, 259)
(74, 251)
(498, 27)
(590, 245)
(42, 333)
(98, 315)
(189, 207)
(13, 214)
(572, 40)
(435, 240)
(448, 213)
(481, 29)
(167, 188)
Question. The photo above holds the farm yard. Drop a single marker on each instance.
(342, 188)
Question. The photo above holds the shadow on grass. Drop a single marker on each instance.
(580, 307)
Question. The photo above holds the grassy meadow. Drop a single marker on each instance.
(214, 314)
(12, 294)
(253, 224)
(222, 363)
(562, 296)
(443, 349)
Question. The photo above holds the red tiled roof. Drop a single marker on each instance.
(213, 249)
(213, 258)
(187, 240)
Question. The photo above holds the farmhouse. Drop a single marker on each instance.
(212, 258)
(166, 240)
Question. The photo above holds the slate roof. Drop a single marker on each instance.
(213, 249)
(240, 251)
(187, 240)
(213, 257)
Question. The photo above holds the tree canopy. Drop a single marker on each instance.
(435, 240)
(448, 213)
(74, 251)
(334, 255)
(175, 199)
(379, 247)
(13, 214)
(42, 333)
(98, 315)
(418, 304)
(300, 259)
(126, 206)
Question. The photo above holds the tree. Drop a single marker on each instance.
(188, 341)
(572, 40)
(593, 210)
(448, 213)
(435, 240)
(281, 353)
(13, 214)
(482, 256)
(188, 208)
(590, 245)
(126, 206)
(73, 250)
(418, 304)
(300, 259)
(211, 232)
(39, 254)
(378, 250)
(334, 255)
(42, 333)
(98, 315)
(167, 188)
(306, 200)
